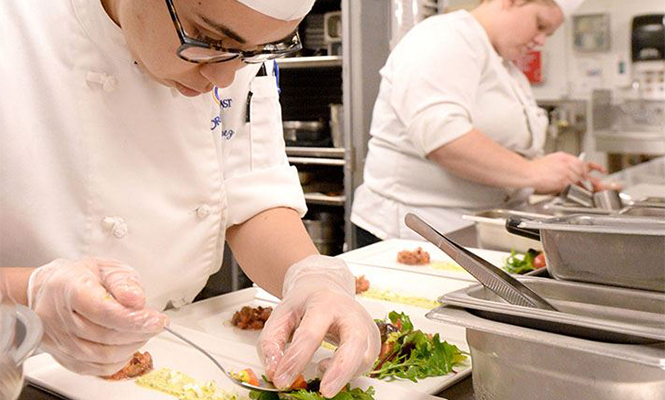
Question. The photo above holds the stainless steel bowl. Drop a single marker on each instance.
(20, 334)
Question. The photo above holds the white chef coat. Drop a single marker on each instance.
(440, 81)
(96, 159)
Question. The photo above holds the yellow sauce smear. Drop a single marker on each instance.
(183, 386)
(447, 266)
(393, 297)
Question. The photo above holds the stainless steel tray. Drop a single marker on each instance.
(561, 207)
(512, 362)
(616, 224)
(616, 250)
(644, 212)
(491, 232)
(593, 312)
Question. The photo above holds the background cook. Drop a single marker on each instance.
(455, 127)
(149, 132)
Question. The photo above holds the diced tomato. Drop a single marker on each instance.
(399, 324)
(300, 383)
(539, 261)
(252, 379)
(386, 348)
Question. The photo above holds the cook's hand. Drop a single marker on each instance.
(93, 313)
(318, 302)
(553, 172)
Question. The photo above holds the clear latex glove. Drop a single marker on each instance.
(318, 302)
(93, 313)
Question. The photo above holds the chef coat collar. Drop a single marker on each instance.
(101, 29)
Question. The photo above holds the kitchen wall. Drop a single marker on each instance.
(571, 74)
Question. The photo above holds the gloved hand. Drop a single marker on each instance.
(93, 313)
(318, 302)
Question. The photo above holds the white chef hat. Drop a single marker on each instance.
(285, 10)
(568, 6)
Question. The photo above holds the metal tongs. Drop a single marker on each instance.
(493, 278)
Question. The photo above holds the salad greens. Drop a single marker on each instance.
(518, 263)
(312, 393)
(412, 354)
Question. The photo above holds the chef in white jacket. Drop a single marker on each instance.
(136, 138)
(455, 126)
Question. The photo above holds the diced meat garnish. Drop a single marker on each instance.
(362, 284)
(139, 365)
(415, 257)
(251, 318)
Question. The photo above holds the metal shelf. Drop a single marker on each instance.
(326, 152)
(310, 62)
(316, 161)
(320, 198)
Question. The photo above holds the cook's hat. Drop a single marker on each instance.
(285, 10)
(568, 6)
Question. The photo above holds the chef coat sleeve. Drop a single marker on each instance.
(257, 174)
(434, 85)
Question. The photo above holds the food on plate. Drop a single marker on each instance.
(247, 375)
(140, 364)
(447, 266)
(389, 295)
(518, 263)
(251, 318)
(362, 284)
(415, 257)
(310, 391)
(412, 354)
(183, 386)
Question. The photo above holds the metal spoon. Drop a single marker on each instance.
(264, 386)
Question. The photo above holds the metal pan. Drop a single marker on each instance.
(512, 362)
(619, 250)
(593, 312)
(492, 234)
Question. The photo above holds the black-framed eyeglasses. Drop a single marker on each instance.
(201, 52)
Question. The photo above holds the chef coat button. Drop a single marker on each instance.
(110, 83)
(116, 225)
(203, 211)
(179, 302)
(107, 223)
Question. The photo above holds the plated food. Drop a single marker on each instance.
(362, 284)
(414, 257)
(311, 392)
(411, 354)
(251, 318)
(393, 297)
(140, 364)
(518, 263)
(182, 386)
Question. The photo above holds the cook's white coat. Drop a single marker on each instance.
(97, 159)
(441, 80)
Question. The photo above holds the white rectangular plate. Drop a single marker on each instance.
(43, 371)
(384, 254)
(213, 315)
